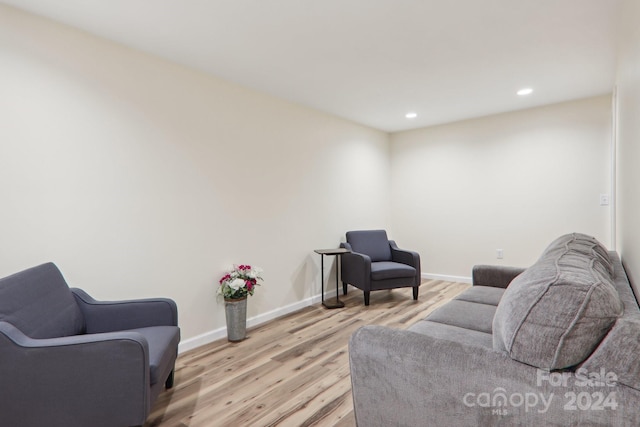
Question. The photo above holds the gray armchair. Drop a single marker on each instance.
(376, 263)
(69, 360)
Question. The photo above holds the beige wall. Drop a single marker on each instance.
(141, 178)
(628, 141)
(513, 181)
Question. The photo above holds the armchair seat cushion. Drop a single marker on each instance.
(163, 342)
(390, 270)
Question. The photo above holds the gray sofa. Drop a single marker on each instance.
(69, 360)
(557, 344)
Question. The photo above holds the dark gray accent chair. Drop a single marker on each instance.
(376, 263)
(69, 360)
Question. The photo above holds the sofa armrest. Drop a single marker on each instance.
(406, 378)
(55, 381)
(109, 316)
(356, 267)
(494, 275)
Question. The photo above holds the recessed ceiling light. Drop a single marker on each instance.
(525, 91)
(411, 115)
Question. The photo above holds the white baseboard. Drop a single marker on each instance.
(216, 334)
(202, 339)
(459, 279)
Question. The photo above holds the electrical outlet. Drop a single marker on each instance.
(499, 253)
(604, 200)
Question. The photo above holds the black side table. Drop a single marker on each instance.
(337, 252)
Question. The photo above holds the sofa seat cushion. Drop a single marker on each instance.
(163, 342)
(554, 314)
(442, 331)
(391, 270)
(465, 314)
(482, 294)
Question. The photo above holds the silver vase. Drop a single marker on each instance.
(236, 313)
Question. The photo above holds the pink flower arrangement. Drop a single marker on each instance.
(240, 281)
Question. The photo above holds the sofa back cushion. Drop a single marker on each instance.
(370, 242)
(556, 312)
(39, 303)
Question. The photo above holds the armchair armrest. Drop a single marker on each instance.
(109, 316)
(405, 257)
(356, 268)
(55, 381)
(494, 275)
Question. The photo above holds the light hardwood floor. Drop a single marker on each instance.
(292, 371)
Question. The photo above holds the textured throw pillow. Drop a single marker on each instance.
(556, 312)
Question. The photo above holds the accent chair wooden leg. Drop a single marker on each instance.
(415, 293)
(344, 288)
(366, 297)
(169, 382)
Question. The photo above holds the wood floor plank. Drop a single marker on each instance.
(292, 371)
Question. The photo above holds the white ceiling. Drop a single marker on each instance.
(372, 61)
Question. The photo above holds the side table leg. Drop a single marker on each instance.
(338, 303)
(322, 278)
